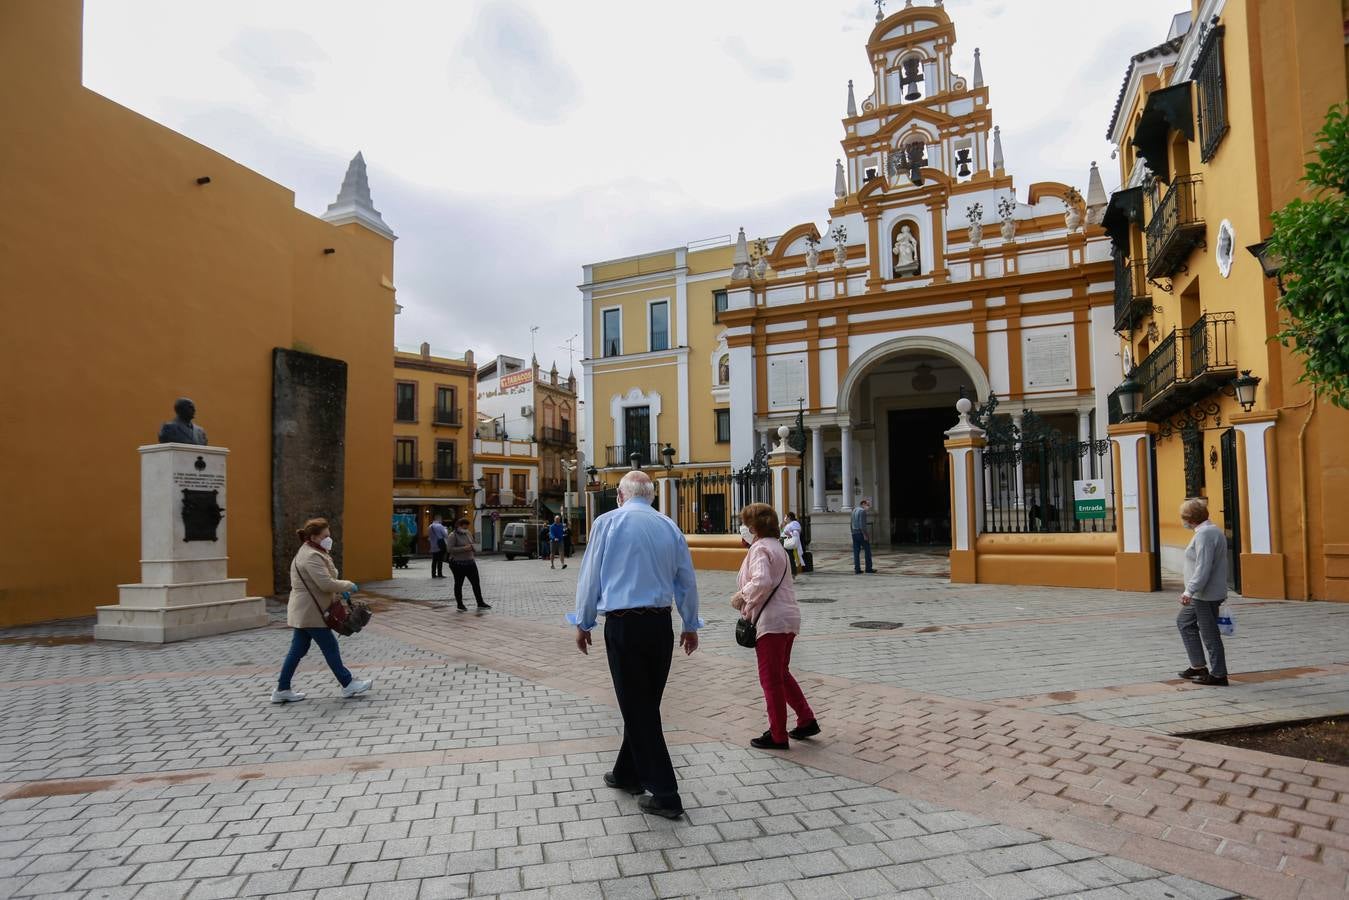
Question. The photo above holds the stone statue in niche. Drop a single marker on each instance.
(724, 370)
(181, 430)
(906, 252)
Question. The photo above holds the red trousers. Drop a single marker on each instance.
(780, 689)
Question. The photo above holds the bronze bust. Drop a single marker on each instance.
(181, 430)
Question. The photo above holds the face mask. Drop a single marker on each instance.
(1188, 526)
(746, 535)
(326, 544)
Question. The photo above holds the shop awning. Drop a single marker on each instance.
(1166, 110)
(552, 509)
(1124, 209)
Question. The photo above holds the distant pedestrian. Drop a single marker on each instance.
(1205, 591)
(556, 533)
(637, 565)
(791, 539)
(439, 537)
(767, 597)
(860, 540)
(566, 540)
(314, 587)
(463, 565)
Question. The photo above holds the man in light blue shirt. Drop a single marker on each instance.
(860, 539)
(636, 566)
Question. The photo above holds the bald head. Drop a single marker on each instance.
(636, 484)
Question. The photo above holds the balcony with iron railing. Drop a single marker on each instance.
(647, 454)
(564, 436)
(447, 416)
(1188, 365)
(1176, 228)
(447, 471)
(552, 486)
(407, 471)
(1132, 300)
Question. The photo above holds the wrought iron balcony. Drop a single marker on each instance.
(552, 486)
(407, 471)
(1177, 227)
(445, 416)
(564, 436)
(1132, 300)
(1188, 365)
(647, 454)
(447, 471)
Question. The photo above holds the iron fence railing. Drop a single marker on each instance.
(1029, 484)
(1177, 225)
(407, 471)
(621, 455)
(446, 416)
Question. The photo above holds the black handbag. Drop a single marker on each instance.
(747, 632)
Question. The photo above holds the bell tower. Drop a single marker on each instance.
(920, 113)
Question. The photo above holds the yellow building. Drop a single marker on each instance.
(1213, 127)
(434, 411)
(139, 267)
(933, 278)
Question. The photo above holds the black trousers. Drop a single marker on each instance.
(438, 564)
(460, 571)
(639, 648)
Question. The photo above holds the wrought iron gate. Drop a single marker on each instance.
(710, 502)
(1029, 473)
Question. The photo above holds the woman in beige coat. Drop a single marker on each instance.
(314, 587)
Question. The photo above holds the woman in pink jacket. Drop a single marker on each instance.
(767, 597)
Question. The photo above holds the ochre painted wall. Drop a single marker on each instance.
(127, 285)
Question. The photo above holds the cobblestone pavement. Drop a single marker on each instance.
(1106, 656)
(473, 767)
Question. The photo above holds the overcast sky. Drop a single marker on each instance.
(509, 142)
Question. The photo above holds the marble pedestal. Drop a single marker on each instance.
(183, 592)
(831, 531)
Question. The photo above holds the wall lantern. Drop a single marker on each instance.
(1271, 263)
(1245, 386)
(1128, 393)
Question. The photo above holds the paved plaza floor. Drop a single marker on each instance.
(982, 742)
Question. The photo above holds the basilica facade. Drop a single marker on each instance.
(931, 277)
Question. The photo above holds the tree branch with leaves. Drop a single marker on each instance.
(1311, 236)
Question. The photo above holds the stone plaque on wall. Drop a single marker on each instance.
(309, 417)
(1047, 359)
(786, 381)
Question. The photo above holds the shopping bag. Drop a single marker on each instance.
(1227, 623)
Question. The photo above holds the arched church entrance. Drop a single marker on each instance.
(901, 399)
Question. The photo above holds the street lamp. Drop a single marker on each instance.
(1271, 263)
(570, 466)
(1128, 393)
(1245, 386)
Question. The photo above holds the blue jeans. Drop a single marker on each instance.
(300, 639)
(860, 543)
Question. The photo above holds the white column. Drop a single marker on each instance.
(848, 496)
(817, 468)
(1257, 485)
(742, 406)
(1084, 437)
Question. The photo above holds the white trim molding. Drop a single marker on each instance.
(620, 402)
(857, 370)
(1256, 482)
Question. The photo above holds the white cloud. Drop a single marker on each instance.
(512, 141)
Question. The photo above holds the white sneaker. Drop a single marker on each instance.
(287, 696)
(357, 686)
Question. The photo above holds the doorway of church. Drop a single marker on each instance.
(920, 489)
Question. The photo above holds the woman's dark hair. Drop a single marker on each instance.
(461, 523)
(790, 517)
(312, 529)
(762, 518)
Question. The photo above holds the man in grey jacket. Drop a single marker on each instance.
(1205, 591)
(860, 540)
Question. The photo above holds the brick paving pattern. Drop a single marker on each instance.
(473, 768)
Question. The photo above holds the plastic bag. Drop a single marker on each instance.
(1227, 622)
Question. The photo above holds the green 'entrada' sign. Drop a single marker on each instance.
(1089, 499)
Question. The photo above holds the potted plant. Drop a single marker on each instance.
(402, 546)
(1007, 213)
(975, 215)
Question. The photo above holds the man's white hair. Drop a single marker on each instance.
(637, 484)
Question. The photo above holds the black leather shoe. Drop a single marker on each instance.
(1192, 672)
(611, 781)
(765, 742)
(649, 805)
(1212, 680)
(482, 605)
(810, 729)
